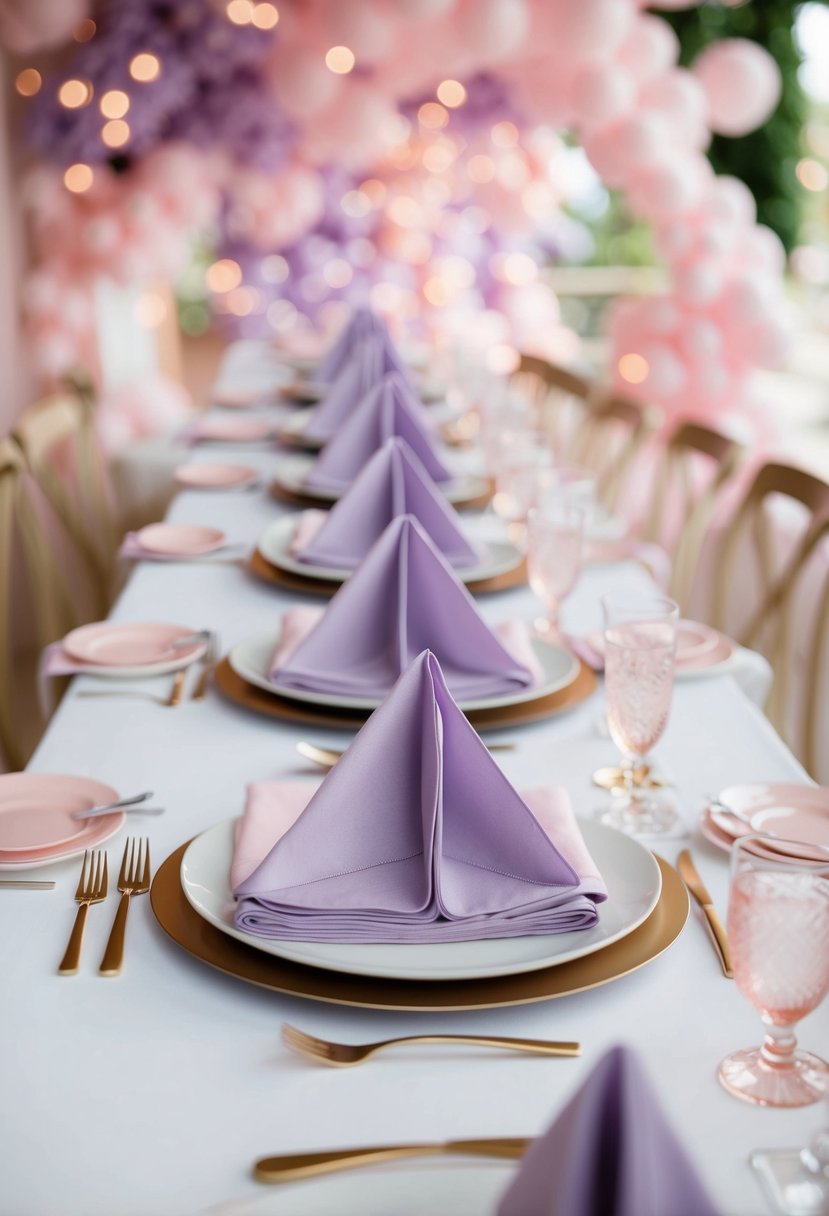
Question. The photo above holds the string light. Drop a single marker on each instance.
(480, 168)
(337, 273)
(265, 16)
(78, 178)
(811, 174)
(74, 93)
(115, 133)
(84, 30)
(223, 275)
(150, 310)
(240, 12)
(28, 82)
(504, 135)
(340, 60)
(432, 115)
(451, 93)
(114, 104)
(274, 268)
(145, 67)
(633, 368)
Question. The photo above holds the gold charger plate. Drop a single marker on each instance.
(250, 696)
(184, 925)
(296, 499)
(291, 581)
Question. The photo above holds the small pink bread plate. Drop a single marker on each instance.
(216, 476)
(700, 650)
(794, 817)
(180, 540)
(132, 644)
(36, 818)
(232, 430)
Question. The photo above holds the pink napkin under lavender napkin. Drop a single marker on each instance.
(609, 1152)
(390, 408)
(402, 599)
(415, 836)
(394, 482)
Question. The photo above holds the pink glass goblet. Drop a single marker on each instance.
(555, 535)
(640, 648)
(778, 926)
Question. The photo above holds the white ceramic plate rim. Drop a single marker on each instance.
(76, 846)
(629, 869)
(274, 545)
(251, 659)
(292, 470)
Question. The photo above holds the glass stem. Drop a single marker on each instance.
(779, 1046)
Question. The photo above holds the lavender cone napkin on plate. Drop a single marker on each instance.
(417, 836)
(394, 482)
(610, 1152)
(390, 408)
(370, 360)
(363, 323)
(402, 599)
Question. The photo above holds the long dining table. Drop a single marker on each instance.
(155, 1091)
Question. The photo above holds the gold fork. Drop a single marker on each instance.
(342, 1055)
(92, 888)
(177, 691)
(209, 661)
(134, 879)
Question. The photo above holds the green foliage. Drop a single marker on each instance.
(764, 159)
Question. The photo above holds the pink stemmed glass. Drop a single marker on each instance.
(640, 647)
(555, 535)
(778, 926)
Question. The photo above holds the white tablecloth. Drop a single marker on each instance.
(154, 1092)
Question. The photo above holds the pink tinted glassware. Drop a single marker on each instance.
(640, 647)
(555, 534)
(778, 926)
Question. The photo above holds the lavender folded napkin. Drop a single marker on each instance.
(370, 360)
(362, 323)
(390, 408)
(417, 836)
(394, 482)
(402, 599)
(610, 1152)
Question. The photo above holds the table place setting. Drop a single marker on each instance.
(41, 818)
(179, 542)
(217, 476)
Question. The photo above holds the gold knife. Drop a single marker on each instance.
(690, 876)
(293, 1166)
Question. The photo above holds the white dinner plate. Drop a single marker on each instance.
(251, 659)
(629, 870)
(460, 1186)
(274, 545)
(292, 471)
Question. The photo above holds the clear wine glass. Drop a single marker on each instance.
(778, 926)
(639, 652)
(555, 535)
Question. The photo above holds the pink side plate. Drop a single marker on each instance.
(215, 476)
(787, 813)
(36, 812)
(698, 646)
(112, 644)
(234, 430)
(180, 540)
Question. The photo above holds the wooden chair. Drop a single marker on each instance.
(778, 563)
(36, 606)
(58, 440)
(613, 430)
(558, 396)
(692, 469)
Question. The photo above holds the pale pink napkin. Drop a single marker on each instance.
(307, 527)
(297, 623)
(272, 807)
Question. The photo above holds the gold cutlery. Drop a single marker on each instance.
(122, 692)
(327, 757)
(612, 778)
(341, 1055)
(177, 691)
(134, 879)
(26, 885)
(690, 876)
(209, 661)
(293, 1166)
(92, 889)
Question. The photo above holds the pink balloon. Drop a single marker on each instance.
(368, 28)
(602, 92)
(761, 248)
(492, 29)
(667, 375)
(700, 341)
(583, 29)
(699, 281)
(670, 189)
(302, 83)
(673, 241)
(680, 99)
(729, 200)
(422, 10)
(650, 48)
(742, 84)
